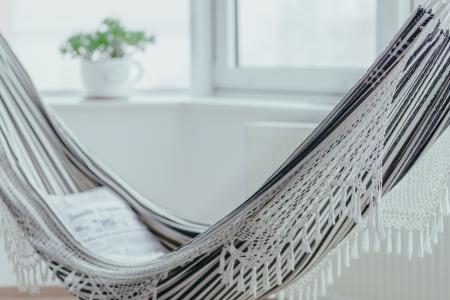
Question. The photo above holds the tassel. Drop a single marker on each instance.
(339, 263)
(331, 215)
(446, 201)
(428, 249)
(21, 279)
(376, 243)
(420, 247)
(380, 226)
(323, 283)
(375, 212)
(434, 232)
(278, 266)
(330, 273)
(347, 254)
(357, 205)
(410, 244)
(389, 241)
(318, 233)
(45, 274)
(266, 278)
(440, 219)
(155, 292)
(54, 272)
(241, 281)
(229, 273)
(399, 241)
(359, 199)
(378, 216)
(343, 201)
(371, 212)
(365, 244)
(291, 257)
(254, 283)
(353, 204)
(355, 253)
(35, 287)
(305, 242)
(221, 269)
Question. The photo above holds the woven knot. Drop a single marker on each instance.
(232, 250)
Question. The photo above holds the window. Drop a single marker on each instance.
(286, 33)
(301, 45)
(36, 30)
(315, 46)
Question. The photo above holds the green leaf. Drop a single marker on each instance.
(111, 40)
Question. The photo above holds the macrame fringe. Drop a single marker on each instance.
(344, 201)
(30, 269)
(419, 242)
(349, 205)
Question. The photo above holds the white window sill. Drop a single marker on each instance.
(244, 102)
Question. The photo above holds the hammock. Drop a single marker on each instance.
(377, 161)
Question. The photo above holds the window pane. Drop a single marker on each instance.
(36, 30)
(306, 33)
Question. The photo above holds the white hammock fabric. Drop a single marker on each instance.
(288, 234)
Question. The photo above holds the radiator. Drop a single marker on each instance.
(374, 275)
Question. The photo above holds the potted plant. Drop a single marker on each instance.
(106, 67)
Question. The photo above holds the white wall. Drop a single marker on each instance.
(187, 157)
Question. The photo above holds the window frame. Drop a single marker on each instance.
(213, 38)
(227, 76)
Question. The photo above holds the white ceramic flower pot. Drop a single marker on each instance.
(112, 78)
